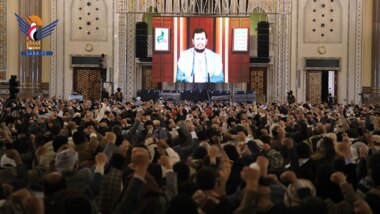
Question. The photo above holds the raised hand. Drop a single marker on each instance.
(338, 178)
(251, 177)
(101, 159)
(263, 164)
(165, 162)
(288, 176)
(362, 207)
(273, 178)
(110, 137)
(249, 174)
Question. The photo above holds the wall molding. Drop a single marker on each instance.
(358, 50)
(53, 47)
(3, 38)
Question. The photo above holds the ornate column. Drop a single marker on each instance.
(130, 63)
(53, 46)
(30, 73)
(281, 48)
(376, 45)
(358, 51)
(3, 39)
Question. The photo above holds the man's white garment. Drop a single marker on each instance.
(200, 71)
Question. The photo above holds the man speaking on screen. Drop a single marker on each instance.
(199, 64)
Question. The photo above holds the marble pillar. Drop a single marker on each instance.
(376, 45)
(30, 73)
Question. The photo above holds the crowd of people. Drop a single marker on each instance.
(115, 156)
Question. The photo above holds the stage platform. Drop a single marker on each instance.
(197, 95)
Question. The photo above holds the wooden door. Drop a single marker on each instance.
(258, 83)
(314, 87)
(87, 82)
(147, 82)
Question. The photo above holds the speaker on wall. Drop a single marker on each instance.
(141, 39)
(263, 39)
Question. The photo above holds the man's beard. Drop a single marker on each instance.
(199, 50)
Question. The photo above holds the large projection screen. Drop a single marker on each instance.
(204, 56)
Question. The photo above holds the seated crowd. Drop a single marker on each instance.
(61, 156)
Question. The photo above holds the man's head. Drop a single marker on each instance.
(206, 178)
(66, 160)
(199, 40)
(53, 183)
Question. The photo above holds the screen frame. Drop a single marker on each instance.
(219, 40)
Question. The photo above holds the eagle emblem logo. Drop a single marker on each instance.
(33, 27)
(34, 30)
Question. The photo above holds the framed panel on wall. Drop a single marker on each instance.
(161, 39)
(240, 40)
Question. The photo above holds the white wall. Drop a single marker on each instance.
(67, 47)
(367, 42)
(12, 39)
(345, 50)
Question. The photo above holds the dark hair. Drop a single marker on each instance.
(59, 141)
(199, 153)
(182, 170)
(183, 204)
(147, 123)
(55, 129)
(376, 174)
(230, 120)
(327, 145)
(240, 128)
(199, 30)
(117, 160)
(155, 171)
(48, 136)
(53, 185)
(312, 204)
(338, 164)
(117, 129)
(78, 204)
(140, 145)
(373, 201)
(206, 178)
(274, 131)
(265, 138)
(303, 150)
(79, 137)
(373, 160)
(339, 136)
(9, 146)
(231, 152)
